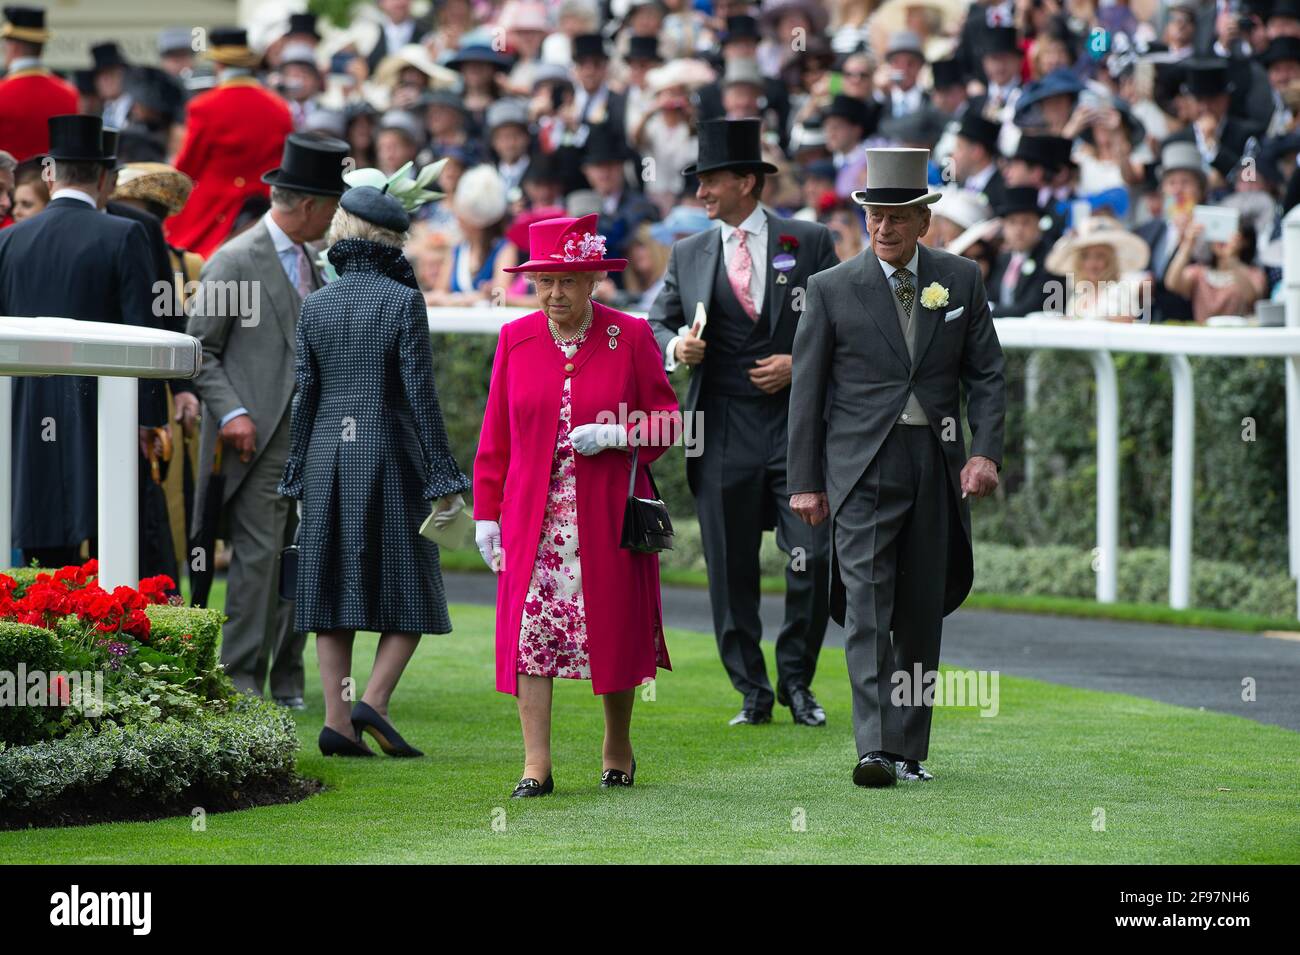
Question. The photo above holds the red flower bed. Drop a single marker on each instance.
(73, 590)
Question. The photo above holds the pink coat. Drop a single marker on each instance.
(620, 588)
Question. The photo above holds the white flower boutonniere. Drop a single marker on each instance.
(1029, 268)
(934, 295)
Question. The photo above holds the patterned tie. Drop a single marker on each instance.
(1012, 277)
(739, 272)
(903, 289)
(303, 285)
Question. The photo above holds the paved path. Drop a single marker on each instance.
(1180, 665)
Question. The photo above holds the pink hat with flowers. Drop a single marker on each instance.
(567, 245)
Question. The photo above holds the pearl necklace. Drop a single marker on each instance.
(582, 329)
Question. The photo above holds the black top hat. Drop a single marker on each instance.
(25, 23)
(741, 27)
(376, 207)
(852, 109)
(153, 89)
(106, 56)
(545, 167)
(1281, 48)
(644, 48)
(1284, 8)
(947, 73)
(730, 144)
(303, 24)
(1000, 40)
(1018, 199)
(311, 164)
(1038, 151)
(1206, 77)
(979, 130)
(605, 143)
(227, 36)
(108, 140)
(587, 45)
(76, 137)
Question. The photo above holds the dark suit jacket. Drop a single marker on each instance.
(852, 375)
(1165, 305)
(1028, 295)
(71, 261)
(692, 267)
(423, 27)
(1232, 143)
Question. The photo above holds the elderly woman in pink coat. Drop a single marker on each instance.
(576, 386)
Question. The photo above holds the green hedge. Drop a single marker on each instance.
(35, 648)
(218, 751)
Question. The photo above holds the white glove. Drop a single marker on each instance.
(447, 508)
(487, 535)
(589, 439)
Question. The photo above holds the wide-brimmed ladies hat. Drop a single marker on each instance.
(962, 207)
(1131, 253)
(480, 197)
(567, 245)
(416, 56)
(154, 182)
(815, 12)
(897, 177)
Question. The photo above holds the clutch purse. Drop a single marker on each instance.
(289, 572)
(647, 528)
(457, 534)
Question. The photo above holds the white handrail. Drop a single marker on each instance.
(116, 354)
(1100, 340)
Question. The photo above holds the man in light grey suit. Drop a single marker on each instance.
(888, 341)
(246, 314)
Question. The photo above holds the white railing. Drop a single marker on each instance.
(117, 354)
(1100, 340)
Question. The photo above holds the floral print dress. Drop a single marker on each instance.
(553, 629)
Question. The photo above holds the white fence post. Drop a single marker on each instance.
(1181, 479)
(1107, 557)
(6, 469)
(1291, 291)
(118, 477)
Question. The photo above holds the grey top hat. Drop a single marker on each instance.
(896, 177)
(400, 119)
(743, 70)
(174, 40)
(1182, 156)
(511, 110)
(904, 41)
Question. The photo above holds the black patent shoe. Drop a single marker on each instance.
(529, 787)
(875, 770)
(611, 778)
(750, 718)
(911, 771)
(365, 719)
(334, 743)
(805, 709)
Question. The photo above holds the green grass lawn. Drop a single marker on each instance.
(1175, 785)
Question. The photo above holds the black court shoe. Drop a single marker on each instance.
(529, 787)
(366, 720)
(334, 743)
(611, 778)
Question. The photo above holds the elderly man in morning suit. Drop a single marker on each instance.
(246, 316)
(889, 340)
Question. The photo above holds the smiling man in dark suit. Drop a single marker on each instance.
(889, 341)
(749, 274)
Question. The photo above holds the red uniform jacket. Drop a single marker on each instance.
(235, 133)
(27, 99)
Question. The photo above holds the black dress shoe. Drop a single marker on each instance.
(334, 743)
(611, 778)
(529, 787)
(750, 717)
(805, 708)
(875, 770)
(911, 771)
(365, 719)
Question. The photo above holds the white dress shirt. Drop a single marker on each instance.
(911, 267)
(67, 192)
(397, 35)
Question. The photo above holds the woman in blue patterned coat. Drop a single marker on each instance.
(368, 455)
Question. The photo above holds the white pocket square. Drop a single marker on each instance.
(954, 314)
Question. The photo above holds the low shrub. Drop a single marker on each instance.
(25, 648)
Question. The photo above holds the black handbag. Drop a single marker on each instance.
(646, 526)
(289, 569)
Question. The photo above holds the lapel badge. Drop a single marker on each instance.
(613, 332)
(780, 278)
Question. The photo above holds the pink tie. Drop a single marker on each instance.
(739, 272)
(304, 272)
